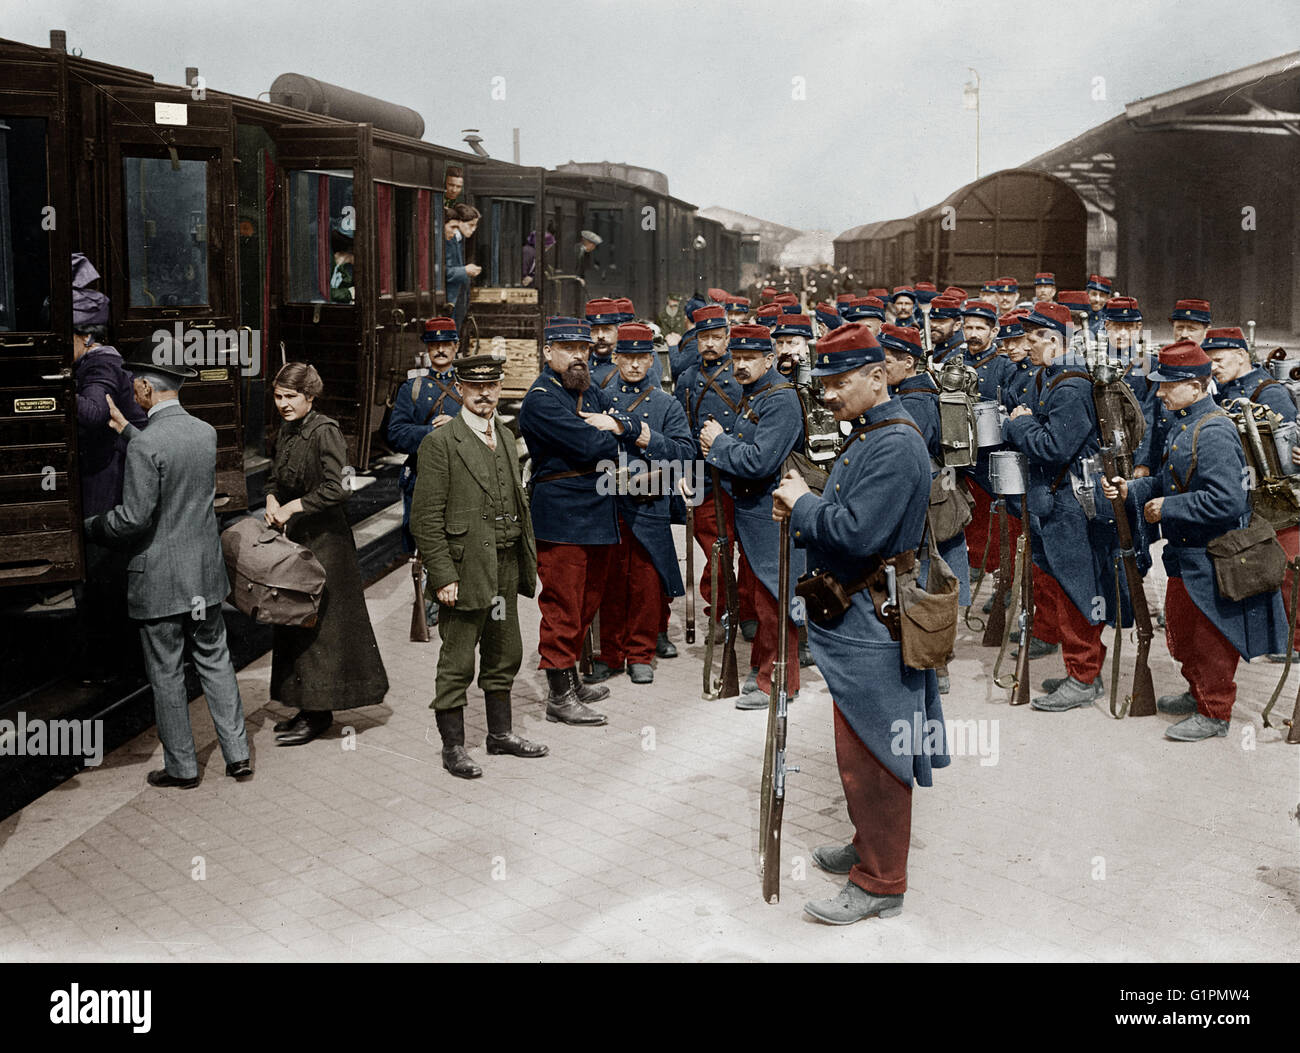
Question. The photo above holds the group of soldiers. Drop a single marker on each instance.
(866, 389)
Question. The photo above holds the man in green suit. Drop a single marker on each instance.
(469, 518)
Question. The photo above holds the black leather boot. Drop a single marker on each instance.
(500, 738)
(288, 723)
(310, 724)
(563, 704)
(451, 726)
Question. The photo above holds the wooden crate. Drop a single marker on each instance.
(521, 361)
(502, 295)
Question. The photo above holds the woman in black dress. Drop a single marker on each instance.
(336, 663)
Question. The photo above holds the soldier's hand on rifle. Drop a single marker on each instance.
(711, 430)
(784, 496)
(688, 493)
(1021, 411)
(1115, 488)
(1151, 511)
(447, 594)
(602, 422)
(440, 420)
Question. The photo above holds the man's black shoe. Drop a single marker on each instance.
(289, 723)
(239, 769)
(162, 778)
(313, 723)
(664, 647)
(456, 761)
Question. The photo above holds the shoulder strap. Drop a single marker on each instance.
(612, 374)
(1184, 483)
(640, 399)
(1069, 374)
(883, 423)
(745, 409)
(711, 385)
(1254, 395)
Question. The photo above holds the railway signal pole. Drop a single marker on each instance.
(970, 100)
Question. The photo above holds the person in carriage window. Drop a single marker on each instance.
(461, 224)
(343, 287)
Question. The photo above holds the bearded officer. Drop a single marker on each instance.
(1238, 378)
(570, 430)
(1075, 598)
(1195, 497)
(875, 505)
(769, 425)
(478, 565)
(426, 401)
(946, 336)
(643, 572)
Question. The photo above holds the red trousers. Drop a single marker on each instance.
(978, 530)
(1289, 539)
(1208, 659)
(632, 606)
(880, 808)
(706, 532)
(573, 581)
(762, 653)
(1065, 624)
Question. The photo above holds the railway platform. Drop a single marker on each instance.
(1050, 837)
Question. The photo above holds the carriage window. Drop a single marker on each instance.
(322, 226)
(24, 243)
(424, 205)
(507, 255)
(603, 270)
(166, 231)
(404, 237)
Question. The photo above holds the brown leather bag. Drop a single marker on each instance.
(1247, 562)
(273, 580)
(928, 614)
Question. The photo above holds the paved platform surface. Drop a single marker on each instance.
(1055, 837)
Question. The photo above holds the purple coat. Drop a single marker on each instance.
(101, 452)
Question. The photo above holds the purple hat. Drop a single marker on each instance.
(89, 307)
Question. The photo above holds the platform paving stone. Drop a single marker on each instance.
(1069, 837)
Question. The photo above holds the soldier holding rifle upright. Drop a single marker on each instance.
(874, 506)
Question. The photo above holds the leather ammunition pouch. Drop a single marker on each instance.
(1247, 562)
(951, 506)
(826, 598)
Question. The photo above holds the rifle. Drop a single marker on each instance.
(588, 650)
(1142, 701)
(1020, 690)
(419, 620)
(772, 803)
(729, 685)
(1294, 736)
(997, 623)
(690, 573)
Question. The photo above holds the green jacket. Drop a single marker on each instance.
(451, 517)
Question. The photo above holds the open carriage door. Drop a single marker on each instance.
(172, 240)
(505, 309)
(40, 491)
(326, 285)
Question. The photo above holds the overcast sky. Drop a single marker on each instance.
(705, 90)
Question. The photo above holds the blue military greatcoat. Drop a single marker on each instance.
(875, 504)
(920, 397)
(1079, 553)
(1258, 386)
(1015, 385)
(709, 389)
(420, 400)
(1198, 507)
(604, 371)
(577, 509)
(671, 443)
(769, 429)
(954, 345)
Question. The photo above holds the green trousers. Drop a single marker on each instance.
(492, 630)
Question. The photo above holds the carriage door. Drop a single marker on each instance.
(326, 292)
(40, 498)
(171, 230)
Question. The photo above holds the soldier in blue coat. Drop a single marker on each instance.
(979, 324)
(919, 395)
(574, 438)
(1099, 290)
(768, 426)
(1075, 597)
(1020, 369)
(644, 570)
(1195, 497)
(869, 310)
(889, 731)
(946, 336)
(428, 399)
(708, 390)
(687, 352)
(1238, 378)
(605, 316)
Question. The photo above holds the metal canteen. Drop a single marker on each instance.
(1286, 437)
(989, 418)
(1008, 472)
(1282, 368)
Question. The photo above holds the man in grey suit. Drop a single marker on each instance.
(176, 575)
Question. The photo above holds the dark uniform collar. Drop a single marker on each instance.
(887, 409)
(708, 365)
(1197, 409)
(634, 389)
(917, 382)
(765, 380)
